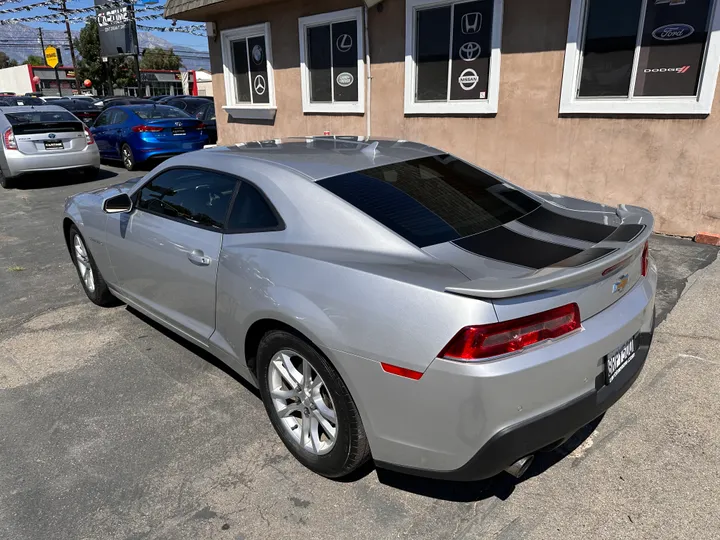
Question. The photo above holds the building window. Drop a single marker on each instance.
(248, 72)
(332, 68)
(452, 56)
(641, 57)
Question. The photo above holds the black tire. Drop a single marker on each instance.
(101, 294)
(127, 157)
(91, 174)
(5, 182)
(351, 448)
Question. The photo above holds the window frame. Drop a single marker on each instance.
(334, 107)
(447, 108)
(135, 197)
(665, 105)
(248, 110)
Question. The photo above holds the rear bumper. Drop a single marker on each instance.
(148, 149)
(19, 164)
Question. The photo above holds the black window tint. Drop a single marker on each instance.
(610, 37)
(345, 67)
(195, 196)
(103, 119)
(318, 44)
(240, 64)
(431, 200)
(119, 117)
(258, 69)
(472, 45)
(251, 211)
(433, 53)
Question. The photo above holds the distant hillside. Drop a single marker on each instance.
(22, 34)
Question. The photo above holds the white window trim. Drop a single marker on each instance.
(700, 104)
(338, 107)
(476, 106)
(261, 111)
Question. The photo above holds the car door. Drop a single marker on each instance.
(116, 132)
(165, 252)
(100, 131)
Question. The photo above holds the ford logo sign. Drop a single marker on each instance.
(673, 32)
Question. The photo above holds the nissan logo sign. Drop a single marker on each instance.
(673, 32)
(468, 79)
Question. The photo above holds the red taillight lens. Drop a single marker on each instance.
(201, 126)
(9, 140)
(147, 129)
(488, 340)
(89, 139)
(646, 249)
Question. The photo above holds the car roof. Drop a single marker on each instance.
(32, 108)
(317, 158)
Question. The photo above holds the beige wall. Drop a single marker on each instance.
(668, 165)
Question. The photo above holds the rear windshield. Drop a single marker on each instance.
(159, 112)
(20, 101)
(432, 200)
(71, 105)
(40, 121)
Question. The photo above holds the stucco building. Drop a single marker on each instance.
(610, 100)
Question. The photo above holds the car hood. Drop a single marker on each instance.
(115, 189)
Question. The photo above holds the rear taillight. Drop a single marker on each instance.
(644, 262)
(147, 129)
(201, 126)
(88, 137)
(9, 140)
(488, 340)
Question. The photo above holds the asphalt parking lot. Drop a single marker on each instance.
(114, 429)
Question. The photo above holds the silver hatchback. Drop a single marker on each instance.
(47, 138)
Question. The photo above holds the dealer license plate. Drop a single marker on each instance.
(54, 145)
(178, 131)
(616, 361)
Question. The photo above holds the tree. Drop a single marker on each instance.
(88, 47)
(6, 61)
(35, 60)
(158, 58)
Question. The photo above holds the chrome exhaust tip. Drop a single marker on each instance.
(520, 467)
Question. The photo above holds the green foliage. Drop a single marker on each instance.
(35, 60)
(158, 58)
(90, 66)
(6, 61)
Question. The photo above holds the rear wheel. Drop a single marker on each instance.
(128, 158)
(5, 182)
(309, 406)
(90, 278)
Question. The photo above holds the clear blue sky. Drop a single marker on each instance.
(176, 38)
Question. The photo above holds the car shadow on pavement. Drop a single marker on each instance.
(59, 178)
(500, 486)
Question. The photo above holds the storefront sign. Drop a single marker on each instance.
(116, 27)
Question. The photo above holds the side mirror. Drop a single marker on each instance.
(119, 204)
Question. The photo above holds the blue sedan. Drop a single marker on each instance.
(137, 133)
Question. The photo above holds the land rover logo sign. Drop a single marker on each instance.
(673, 32)
(469, 51)
(468, 79)
(345, 79)
(344, 43)
(257, 54)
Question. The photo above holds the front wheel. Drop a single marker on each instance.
(90, 277)
(128, 158)
(309, 406)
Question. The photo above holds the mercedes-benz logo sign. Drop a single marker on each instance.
(259, 85)
(257, 54)
(471, 23)
(344, 43)
(468, 79)
(470, 51)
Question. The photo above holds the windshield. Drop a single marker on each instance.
(24, 100)
(432, 199)
(158, 112)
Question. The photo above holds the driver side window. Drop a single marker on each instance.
(103, 119)
(196, 197)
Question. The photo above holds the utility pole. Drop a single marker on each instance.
(72, 47)
(42, 45)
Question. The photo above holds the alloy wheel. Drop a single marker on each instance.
(302, 401)
(83, 263)
(127, 157)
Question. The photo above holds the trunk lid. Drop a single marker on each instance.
(176, 129)
(552, 256)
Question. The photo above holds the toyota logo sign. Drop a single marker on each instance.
(469, 51)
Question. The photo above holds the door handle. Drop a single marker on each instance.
(197, 257)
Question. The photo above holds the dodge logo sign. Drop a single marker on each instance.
(469, 51)
(471, 23)
(468, 79)
(345, 79)
(673, 32)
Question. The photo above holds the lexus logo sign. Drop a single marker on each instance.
(344, 43)
(469, 51)
(471, 23)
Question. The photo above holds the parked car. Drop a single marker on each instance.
(385, 296)
(202, 109)
(19, 101)
(115, 101)
(48, 99)
(84, 110)
(47, 138)
(137, 133)
(92, 100)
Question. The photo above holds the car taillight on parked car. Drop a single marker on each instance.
(89, 139)
(147, 129)
(645, 254)
(488, 340)
(9, 140)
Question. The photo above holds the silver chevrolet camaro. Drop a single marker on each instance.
(387, 298)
